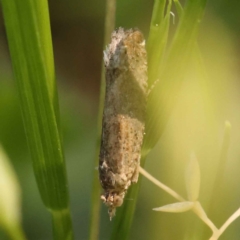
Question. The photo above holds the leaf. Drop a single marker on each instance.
(176, 207)
(10, 199)
(170, 70)
(29, 40)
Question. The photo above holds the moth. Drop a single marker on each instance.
(123, 121)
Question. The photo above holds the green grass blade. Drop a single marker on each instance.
(155, 25)
(178, 7)
(29, 39)
(10, 199)
(157, 40)
(61, 225)
(162, 99)
(96, 189)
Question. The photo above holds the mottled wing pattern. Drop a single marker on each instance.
(123, 118)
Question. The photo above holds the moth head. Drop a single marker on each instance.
(112, 201)
(137, 37)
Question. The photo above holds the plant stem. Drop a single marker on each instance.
(61, 228)
(231, 219)
(197, 209)
(96, 190)
(161, 185)
(29, 39)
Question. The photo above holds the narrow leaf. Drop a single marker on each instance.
(171, 71)
(29, 39)
(10, 194)
(176, 207)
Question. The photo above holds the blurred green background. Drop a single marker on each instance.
(197, 122)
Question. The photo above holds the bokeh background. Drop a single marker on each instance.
(197, 123)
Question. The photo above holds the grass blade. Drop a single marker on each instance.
(10, 199)
(163, 97)
(29, 39)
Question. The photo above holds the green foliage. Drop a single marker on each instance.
(29, 38)
(10, 199)
(171, 70)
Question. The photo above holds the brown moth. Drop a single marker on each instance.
(123, 117)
